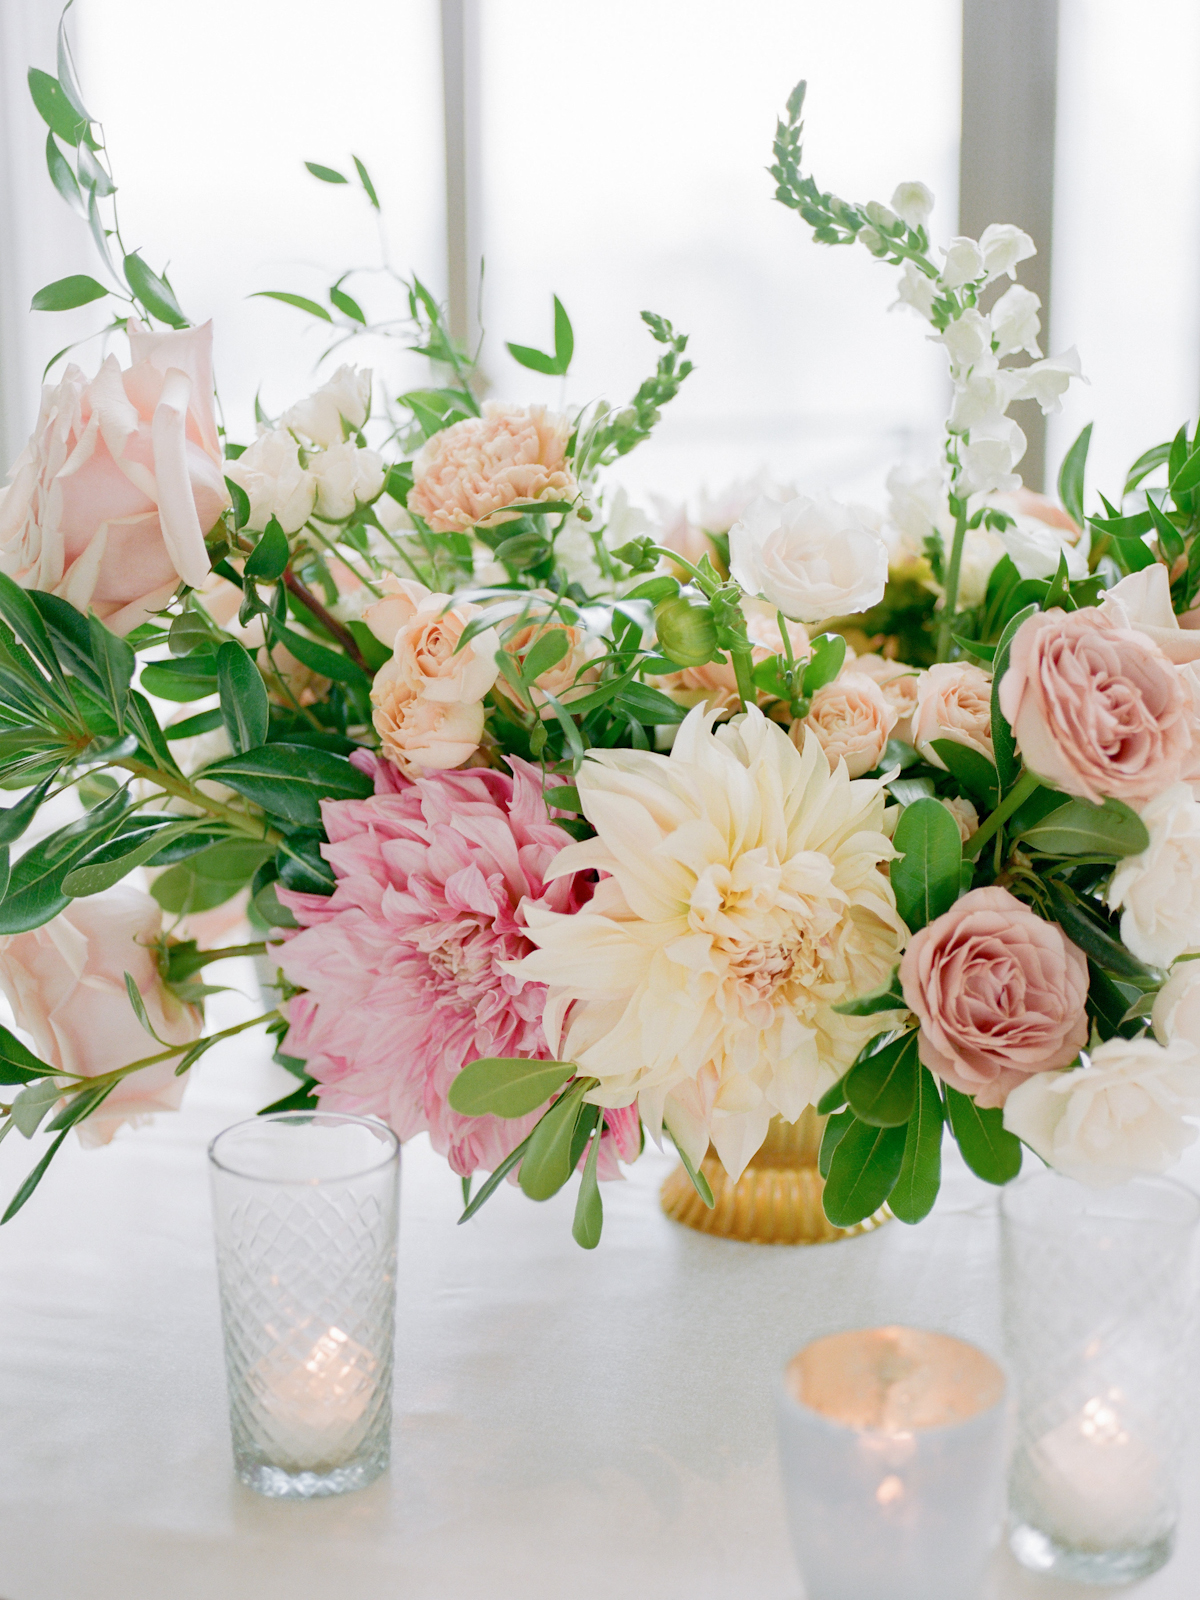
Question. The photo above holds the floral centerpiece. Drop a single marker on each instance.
(561, 827)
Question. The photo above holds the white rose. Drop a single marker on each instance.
(1158, 891)
(1121, 1115)
(345, 475)
(988, 457)
(1003, 246)
(1047, 381)
(915, 290)
(717, 513)
(1176, 1012)
(969, 341)
(812, 559)
(320, 418)
(1035, 548)
(912, 203)
(1015, 322)
(275, 482)
(964, 263)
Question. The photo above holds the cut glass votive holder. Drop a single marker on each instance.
(305, 1206)
(1098, 1293)
(892, 1443)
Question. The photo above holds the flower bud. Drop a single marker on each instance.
(880, 215)
(687, 633)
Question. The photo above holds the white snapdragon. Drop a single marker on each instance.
(1047, 381)
(1158, 891)
(1035, 548)
(912, 203)
(968, 339)
(916, 289)
(1015, 322)
(964, 263)
(1002, 247)
(342, 403)
(987, 459)
(981, 397)
(812, 559)
(1121, 1114)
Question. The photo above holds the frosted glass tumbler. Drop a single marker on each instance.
(893, 1447)
(306, 1206)
(1097, 1303)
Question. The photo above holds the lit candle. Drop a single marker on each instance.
(1095, 1485)
(314, 1404)
(892, 1443)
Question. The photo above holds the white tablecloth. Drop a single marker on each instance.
(567, 1424)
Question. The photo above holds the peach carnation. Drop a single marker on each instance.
(467, 475)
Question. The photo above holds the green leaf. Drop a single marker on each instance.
(1004, 745)
(488, 1189)
(35, 889)
(301, 1099)
(55, 108)
(326, 174)
(80, 1106)
(1144, 466)
(365, 180)
(191, 727)
(241, 503)
(114, 662)
(290, 780)
(66, 73)
(535, 360)
(502, 1086)
(345, 304)
(1170, 540)
(32, 1181)
(32, 1104)
(66, 293)
(991, 1152)
(921, 1170)
(834, 1097)
(547, 1163)
(329, 663)
(545, 652)
(117, 858)
(1088, 929)
(210, 876)
(1188, 475)
(889, 999)
(825, 662)
(1071, 474)
(244, 705)
(835, 1130)
(1079, 828)
(191, 677)
(589, 1208)
(268, 561)
(15, 819)
(862, 1172)
(926, 878)
(564, 337)
(882, 1088)
(154, 292)
(298, 300)
(139, 1007)
(17, 1064)
(63, 179)
(699, 1182)
(93, 176)
(975, 772)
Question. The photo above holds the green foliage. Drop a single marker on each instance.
(882, 1086)
(559, 363)
(290, 780)
(244, 707)
(506, 1087)
(928, 876)
(548, 1159)
(66, 293)
(921, 1168)
(863, 1170)
(1070, 476)
(991, 1152)
(611, 434)
(1078, 828)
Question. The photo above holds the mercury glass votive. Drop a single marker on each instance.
(306, 1206)
(1098, 1293)
(892, 1443)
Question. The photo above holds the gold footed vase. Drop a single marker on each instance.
(777, 1200)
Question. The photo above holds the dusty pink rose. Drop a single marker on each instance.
(65, 982)
(851, 720)
(403, 965)
(899, 684)
(467, 475)
(954, 701)
(111, 498)
(999, 994)
(1097, 709)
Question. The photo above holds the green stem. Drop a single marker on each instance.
(118, 1073)
(946, 626)
(743, 666)
(227, 952)
(183, 790)
(1016, 796)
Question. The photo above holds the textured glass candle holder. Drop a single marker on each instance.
(892, 1443)
(1098, 1293)
(306, 1205)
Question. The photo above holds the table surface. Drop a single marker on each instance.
(567, 1423)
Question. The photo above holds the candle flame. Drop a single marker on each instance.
(890, 1490)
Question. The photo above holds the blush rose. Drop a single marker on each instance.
(999, 994)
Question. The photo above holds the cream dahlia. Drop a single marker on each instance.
(740, 899)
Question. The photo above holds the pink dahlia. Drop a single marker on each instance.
(402, 966)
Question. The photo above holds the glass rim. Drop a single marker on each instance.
(379, 1128)
(1158, 1182)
